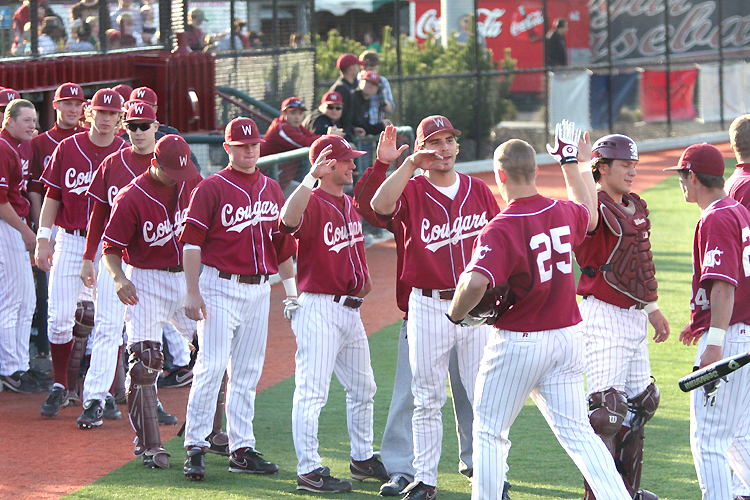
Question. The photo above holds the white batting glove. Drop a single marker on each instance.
(710, 391)
(468, 321)
(291, 304)
(565, 149)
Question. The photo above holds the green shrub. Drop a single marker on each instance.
(451, 97)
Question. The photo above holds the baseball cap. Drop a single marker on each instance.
(107, 100)
(331, 97)
(241, 131)
(346, 60)
(293, 102)
(431, 126)
(68, 91)
(340, 148)
(123, 90)
(371, 76)
(144, 94)
(140, 112)
(702, 159)
(173, 154)
(7, 95)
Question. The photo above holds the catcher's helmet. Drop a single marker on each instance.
(616, 147)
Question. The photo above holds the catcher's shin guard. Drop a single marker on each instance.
(118, 384)
(144, 364)
(608, 410)
(77, 353)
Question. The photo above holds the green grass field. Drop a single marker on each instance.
(539, 468)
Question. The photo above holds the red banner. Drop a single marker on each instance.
(681, 92)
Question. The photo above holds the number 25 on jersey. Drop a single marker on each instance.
(549, 243)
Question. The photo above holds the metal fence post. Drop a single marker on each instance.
(668, 54)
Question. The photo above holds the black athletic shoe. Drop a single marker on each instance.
(41, 378)
(420, 491)
(219, 443)
(250, 461)
(20, 382)
(58, 398)
(372, 468)
(179, 377)
(91, 416)
(395, 485)
(164, 417)
(195, 466)
(506, 487)
(321, 481)
(111, 412)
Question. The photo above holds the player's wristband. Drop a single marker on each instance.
(651, 307)
(188, 246)
(309, 181)
(451, 320)
(44, 233)
(290, 286)
(715, 336)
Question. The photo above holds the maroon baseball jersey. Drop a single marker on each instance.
(24, 152)
(440, 232)
(69, 174)
(721, 251)
(281, 137)
(116, 172)
(42, 147)
(234, 218)
(11, 174)
(529, 245)
(738, 184)
(147, 219)
(331, 256)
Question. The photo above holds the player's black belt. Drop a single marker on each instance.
(348, 301)
(173, 269)
(245, 279)
(76, 232)
(446, 294)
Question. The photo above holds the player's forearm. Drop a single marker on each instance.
(470, 289)
(35, 201)
(579, 192)
(191, 259)
(48, 215)
(113, 264)
(384, 201)
(9, 215)
(588, 179)
(291, 212)
(286, 269)
(722, 304)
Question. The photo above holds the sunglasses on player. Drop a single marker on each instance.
(143, 126)
(335, 108)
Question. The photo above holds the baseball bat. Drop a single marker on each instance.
(714, 371)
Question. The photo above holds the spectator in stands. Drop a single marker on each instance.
(286, 132)
(93, 23)
(196, 39)
(20, 18)
(23, 47)
(348, 66)
(323, 120)
(81, 39)
(372, 42)
(127, 6)
(46, 44)
(381, 104)
(148, 20)
(125, 37)
(86, 8)
(255, 39)
(297, 40)
(368, 87)
(555, 50)
(467, 30)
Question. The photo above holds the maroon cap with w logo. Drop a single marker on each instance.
(431, 126)
(107, 100)
(69, 91)
(173, 155)
(241, 131)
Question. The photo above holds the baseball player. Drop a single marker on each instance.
(719, 318)
(334, 279)
(619, 299)
(398, 430)
(324, 119)
(114, 173)
(16, 241)
(528, 247)
(286, 132)
(146, 221)
(442, 211)
(67, 177)
(236, 208)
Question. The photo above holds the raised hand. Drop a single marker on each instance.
(322, 164)
(387, 151)
(565, 149)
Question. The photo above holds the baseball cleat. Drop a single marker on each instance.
(156, 458)
(91, 416)
(420, 491)
(179, 377)
(20, 382)
(41, 378)
(164, 417)
(111, 412)
(506, 488)
(58, 398)
(195, 466)
(395, 485)
(249, 461)
(219, 442)
(321, 481)
(372, 468)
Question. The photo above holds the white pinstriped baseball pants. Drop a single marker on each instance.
(17, 301)
(548, 366)
(232, 338)
(330, 339)
(720, 434)
(431, 338)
